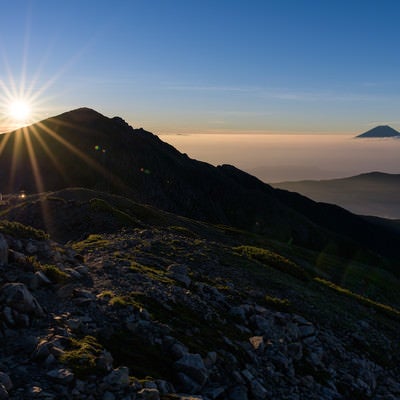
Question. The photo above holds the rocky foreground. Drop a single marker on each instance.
(163, 313)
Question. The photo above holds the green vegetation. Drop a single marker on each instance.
(273, 260)
(383, 308)
(120, 301)
(120, 216)
(277, 303)
(92, 242)
(81, 356)
(181, 230)
(22, 231)
(54, 273)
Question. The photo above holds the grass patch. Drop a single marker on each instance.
(273, 260)
(54, 273)
(181, 230)
(21, 231)
(82, 355)
(278, 304)
(122, 217)
(383, 308)
(93, 241)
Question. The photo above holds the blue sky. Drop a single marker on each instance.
(186, 66)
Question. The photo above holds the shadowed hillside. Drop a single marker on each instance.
(84, 148)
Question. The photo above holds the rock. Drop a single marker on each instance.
(260, 323)
(295, 351)
(3, 251)
(238, 312)
(179, 272)
(149, 394)
(16, 256)
(82, 269)
(105, 361)
(187, 384)
(215, 392)
(3, 393)
(8, 316)
(178, 350)
(61, 375)
(306, 330)
(6, 381)
(39, 279)
(118, 377)
(192, 365)
(42, 351)
(238, 393)
(108, 396)
(257, 342)
(18, 297)
(30, 248)
(211, 359)
(258, 390)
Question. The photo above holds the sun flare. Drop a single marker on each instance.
(20, 110)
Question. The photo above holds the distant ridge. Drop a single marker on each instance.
(381, 131)
(373, 193)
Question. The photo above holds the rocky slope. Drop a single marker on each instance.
(176, 309)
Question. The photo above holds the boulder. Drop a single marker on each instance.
(3, 251)
(192, 365)
(18, 297)
(179, 273)
(5, 381)
(118, 377)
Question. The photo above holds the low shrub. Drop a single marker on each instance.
(21, 231)
(273, 260)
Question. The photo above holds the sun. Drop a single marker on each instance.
(20, 110)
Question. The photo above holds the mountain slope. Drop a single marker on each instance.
(381, 131)
(373, 193)
(84, 148)
(154, 311)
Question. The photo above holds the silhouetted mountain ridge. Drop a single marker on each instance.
(83, 148)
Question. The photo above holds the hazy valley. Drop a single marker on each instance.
(373, 193)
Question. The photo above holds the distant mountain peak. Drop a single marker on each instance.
(381, 131)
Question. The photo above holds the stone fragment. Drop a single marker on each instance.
(61, 375)
(257, 342)
(149, 394)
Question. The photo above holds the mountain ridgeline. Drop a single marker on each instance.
(373, 193)
(83, 148)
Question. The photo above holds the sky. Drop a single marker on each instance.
(220, 66)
